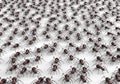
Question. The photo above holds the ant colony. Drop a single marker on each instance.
(59, 42)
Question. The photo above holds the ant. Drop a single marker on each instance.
(30, 42)
(27, 51)
(71, 58)
(104, 46)
(81, 63)
(37, 59)
(3, 81)
(17, 54)
(49, 81)
(54, 69)
(52, 49)
(95, 50)
(108, 53)
(100, 67)
(16, 45)
(107, 81)
(99, 59)
(65, 51)
(35, 71)
(83, 79)
(40, 80)
(15, 80)
(71, 45)
(22, 71)
(46, 46)
(56, 61)
(1, 50)
(12, 60)
(117, 77)
(113, 59)
(12, 68)
(78, 36)
(55, 44)
(84, 71)
(66, 79)
(26, 62)
(72, 71)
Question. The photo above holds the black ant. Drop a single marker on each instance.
(35, 71)
(15, 80)
(83, 79)
(40, 80)
(65, 51)
(73, 71)
(16, 45)
(71, 58)
(52, 49)
(54, 69)
(37, 59)
(26, 62)
(100, 67)
(117, 77)
(84, 71)
(71, 44)
(12, 60)
(82, 62)
(67, 79)
(56, 61)
(108, 53)
(12, 68)
(99, 59)
(27, 51)
(3, 81)
(22, 71)
(17, 54)
(49, 81)
(46, 46)
(108, 80)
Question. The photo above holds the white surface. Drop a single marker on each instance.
(95, 77)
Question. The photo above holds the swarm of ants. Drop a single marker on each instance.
(59, 41)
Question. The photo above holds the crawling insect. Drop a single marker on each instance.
(67, 79)
(40, 80)
(38, 50)
(49, 81)
(85, 71)
(54, 69)
(56, 61)
(12, 60)
(107, 80)
(65, 51)
(72, 72)
(22, 71)
(3, 81)
(17, 54)
(26, 62)
(99, 59)
(82, 62)
(35, 71)
(100, 67)
(71, 58)
(117, 77)
(12, 68)
(15, 80)
(83, 79)
(37, 59)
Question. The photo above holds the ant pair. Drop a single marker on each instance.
(10, 80)
(44, 80)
